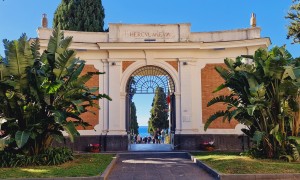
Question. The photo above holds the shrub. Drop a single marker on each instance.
(43, 95)
(51, 156)
(265, 99)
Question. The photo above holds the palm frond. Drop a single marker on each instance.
(294, 152)
(213, 117)
(18, 55)
(63, 61)
(285, 53)
(224, 99)
(85, 78)
(54, 41)
(224, 73)
(219, 88)
(229, 63)
(69, 127)
(35, 47)
(235, 113)
(77, 71)
(3, 69)
(101, 96)
(65, 43)
(261, 54)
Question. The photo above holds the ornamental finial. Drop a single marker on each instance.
(253, 20)
(45, 21)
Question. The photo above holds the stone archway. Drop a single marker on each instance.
(145, 80)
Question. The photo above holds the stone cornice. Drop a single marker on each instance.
(74, 45)
(235, 44)
(265, 42)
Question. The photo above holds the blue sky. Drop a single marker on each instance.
(24, 16)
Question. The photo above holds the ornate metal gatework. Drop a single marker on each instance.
(146, 79)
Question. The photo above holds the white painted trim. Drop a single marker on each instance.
(162, 64)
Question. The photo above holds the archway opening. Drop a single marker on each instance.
(150, 87)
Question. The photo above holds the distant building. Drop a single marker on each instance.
(183, 63)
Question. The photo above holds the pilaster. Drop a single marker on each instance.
(105, 102)
(114, 73)
(187, 115)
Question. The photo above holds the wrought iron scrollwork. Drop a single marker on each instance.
(146, 79)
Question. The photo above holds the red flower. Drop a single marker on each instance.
(96, 145)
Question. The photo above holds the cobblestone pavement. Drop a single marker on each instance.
(156, 166)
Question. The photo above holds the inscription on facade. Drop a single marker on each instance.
(145, 33)
(152, 35)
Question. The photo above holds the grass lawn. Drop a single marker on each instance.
(82, 165)
(233, 163)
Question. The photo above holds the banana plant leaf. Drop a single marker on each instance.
(21, 138)
(69, 127)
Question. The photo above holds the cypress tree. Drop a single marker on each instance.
(134, 126)
(159, 113)
(294, 26)
(80, 15)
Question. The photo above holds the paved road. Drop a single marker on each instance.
(156, 166)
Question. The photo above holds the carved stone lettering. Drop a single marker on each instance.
(144, 34)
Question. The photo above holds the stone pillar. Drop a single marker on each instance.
(123, 114)
(178, 113)
(187, 81)
(105, 101)
(115, 70)
(99, 66)
(200, 124)
(197, 97)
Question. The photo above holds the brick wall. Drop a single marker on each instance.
(126, 64)
(210, 81)
(92, 119)
(174, 64)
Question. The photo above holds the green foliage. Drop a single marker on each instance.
(42, 95)
(159, 112)
(51, 156)
(134, 125)
(294, 17)
(264, 97)
(292, 153)
(80, 15)
(55, 156)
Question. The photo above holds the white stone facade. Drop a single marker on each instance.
(154, 44)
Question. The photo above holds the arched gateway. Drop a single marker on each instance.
(180, 61)
(145, 80)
